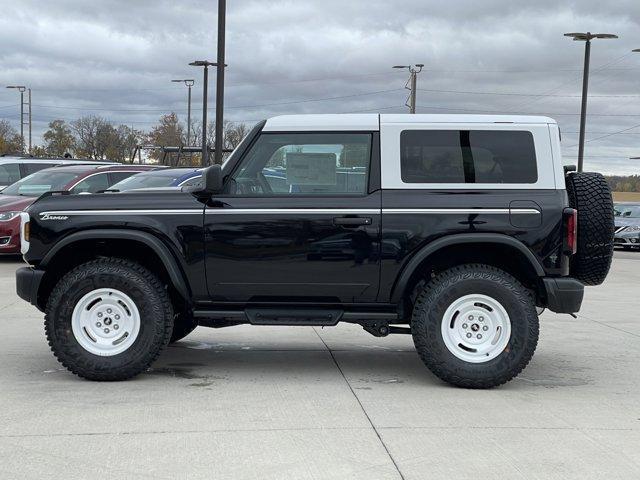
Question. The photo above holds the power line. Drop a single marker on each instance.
(287, 102)
(524, 94)
(608, 135)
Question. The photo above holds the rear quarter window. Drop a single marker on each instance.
(468, 156)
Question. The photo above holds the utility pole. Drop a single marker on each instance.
(411, 84)
(219, 147)
(22, 89)
(585, 37)
(189, 83)
(205, 84)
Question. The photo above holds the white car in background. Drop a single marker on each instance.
(14, 167)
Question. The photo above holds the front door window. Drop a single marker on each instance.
(304, 164)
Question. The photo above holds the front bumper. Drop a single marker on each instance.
(28, 281)
(10, 236)
(564, 295)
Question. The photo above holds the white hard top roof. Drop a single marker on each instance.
(372, 121)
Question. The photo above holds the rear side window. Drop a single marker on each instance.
(467, 156)
(30, 168)
(92, 184)
(9, 173)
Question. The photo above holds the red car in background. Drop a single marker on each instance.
(88, 178)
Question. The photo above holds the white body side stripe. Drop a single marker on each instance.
(297, 211)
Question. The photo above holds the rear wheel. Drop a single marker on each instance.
(475, 326)
(108, 319)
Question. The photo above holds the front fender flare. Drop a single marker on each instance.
(168, 260)
(458, 239)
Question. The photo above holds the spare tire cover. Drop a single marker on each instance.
(590, 195)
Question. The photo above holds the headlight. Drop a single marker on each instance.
(6, 216)
(632, 228)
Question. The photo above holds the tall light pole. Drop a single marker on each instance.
(189, 83)
(22, 89)
(205, 85)
(585, 37)
(414, 70)
(222, 13)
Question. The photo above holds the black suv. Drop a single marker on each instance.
(454, 229)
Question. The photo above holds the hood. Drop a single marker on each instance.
(9, 203)
(626, 221)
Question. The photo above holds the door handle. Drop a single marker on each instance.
(352, 221)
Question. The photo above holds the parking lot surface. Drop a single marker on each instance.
(302, 402)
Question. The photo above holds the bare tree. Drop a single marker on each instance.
(94, 136)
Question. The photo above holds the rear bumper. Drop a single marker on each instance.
(564, 295)
(28, 281)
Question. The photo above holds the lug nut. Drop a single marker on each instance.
(98, 324)
(464, 325)
(108, 310)
(116, 326)
(99, 314)
(485, 328)
(470, 317)
(468, 335)
(117, 317)
(479, 336)
(481, 319)
(106, 330)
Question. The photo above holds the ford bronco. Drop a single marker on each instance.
(454, 229)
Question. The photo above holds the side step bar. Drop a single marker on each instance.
(376, 322)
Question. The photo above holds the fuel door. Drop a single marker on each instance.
(525, 214)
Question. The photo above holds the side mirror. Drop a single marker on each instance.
(212, 180)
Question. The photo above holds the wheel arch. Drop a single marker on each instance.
(427, 255)
(169, 266)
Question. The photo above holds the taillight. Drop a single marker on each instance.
(570, 231)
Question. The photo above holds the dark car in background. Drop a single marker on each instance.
(84, 178)
(169, 177)
(627, 224)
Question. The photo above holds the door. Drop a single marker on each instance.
(298, 222)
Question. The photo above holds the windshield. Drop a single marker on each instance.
(627, 211)
(40, 182)
(147, 180)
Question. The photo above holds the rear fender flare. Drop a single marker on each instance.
(459, 239)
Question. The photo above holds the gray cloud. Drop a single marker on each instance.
(115, 58)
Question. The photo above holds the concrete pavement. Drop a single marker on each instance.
(302, 402)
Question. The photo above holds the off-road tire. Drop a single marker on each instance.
(183, 325)
(590, 195)
(150, 297)
(445, 288)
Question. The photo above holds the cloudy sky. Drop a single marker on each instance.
(115, 58)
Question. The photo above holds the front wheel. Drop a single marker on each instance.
(108, 319)
(475, 326)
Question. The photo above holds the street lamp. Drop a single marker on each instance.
(22, 89)
(414, 70)
(585, 37)
(189, 83)
(205, 84)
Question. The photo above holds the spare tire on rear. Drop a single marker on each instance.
(590, 195)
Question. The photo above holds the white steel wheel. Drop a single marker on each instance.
(476, 328)
(105, 322)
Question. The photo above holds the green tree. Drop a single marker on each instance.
(59, 139)
(9, 138)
